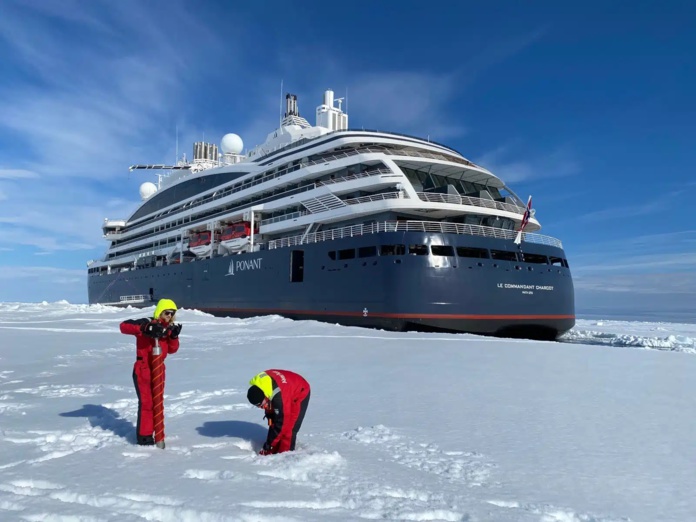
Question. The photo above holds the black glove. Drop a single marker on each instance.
(174, 331)
(152, 329)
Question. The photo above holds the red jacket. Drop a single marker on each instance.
(143, 343)
(289, 389)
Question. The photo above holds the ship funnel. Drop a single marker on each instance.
(291, 105)
(203, 151)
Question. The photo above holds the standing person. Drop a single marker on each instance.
(147, 333)
(284, 396)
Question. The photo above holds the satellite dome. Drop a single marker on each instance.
(231, 144)
(147, 189)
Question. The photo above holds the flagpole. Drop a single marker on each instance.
(525, 220)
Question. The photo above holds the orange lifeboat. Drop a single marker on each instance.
(236, 236)
(200, 243)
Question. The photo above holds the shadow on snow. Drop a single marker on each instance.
(105, 418)
(250, 431)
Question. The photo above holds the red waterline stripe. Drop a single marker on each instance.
(387, 315)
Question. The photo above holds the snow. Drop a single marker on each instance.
(401, 426)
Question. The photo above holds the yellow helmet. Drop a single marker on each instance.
(162, 305)
(263, 382)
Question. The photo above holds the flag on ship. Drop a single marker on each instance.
(525, 220)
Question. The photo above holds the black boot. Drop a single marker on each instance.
(146, 440)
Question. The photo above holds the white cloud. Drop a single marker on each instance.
(57, 220)
(60, 275)
(415, 101)
(639, 262)
(673, 283)
(31, 283)
(98, 101)
(410, 102)
(92, 86)
(636, 267)
(406, 101)
(17, 174)
(651, 205)
(648, 273)
(660, 245)
(557, 163)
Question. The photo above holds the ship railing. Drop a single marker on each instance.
(467, 200)
(350, 177)
(311, 186)
(441, 198)
(219, 194)
(392, 152)
(268, 177)
(333, 157)
(320, 161)
(376, 197)
(432, 198)
(436, 227)
(354, 201)
(341, 155)
(301, 142)
(293, 215)
(134, 298)
(431, 155)
(429, 197)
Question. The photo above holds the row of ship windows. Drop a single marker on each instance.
(269, 195)
(217, 179)
(445, 251)
(159, 199)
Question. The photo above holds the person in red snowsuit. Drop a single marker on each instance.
(284, 396)
(147, 333)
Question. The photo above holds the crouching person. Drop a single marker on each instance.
(284, 396)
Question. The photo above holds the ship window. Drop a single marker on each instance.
(392, 250)
(370, 251)
(332, 255)
(479, 253)
(504, 255)
(556, 261)
(442, 250)
(418, 250)
(348, 253)
(534, 258)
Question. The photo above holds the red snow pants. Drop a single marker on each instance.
(293, 420)
(143, 388)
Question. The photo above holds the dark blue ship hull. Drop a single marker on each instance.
(396, 292)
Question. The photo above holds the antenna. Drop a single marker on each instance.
(177, 145)
(346, 111)
(280, 112)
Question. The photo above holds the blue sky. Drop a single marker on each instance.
(588, 107)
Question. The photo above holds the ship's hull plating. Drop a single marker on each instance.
(396, 292)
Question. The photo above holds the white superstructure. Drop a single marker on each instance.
(308, 183)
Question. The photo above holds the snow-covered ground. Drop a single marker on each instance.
(401, 426)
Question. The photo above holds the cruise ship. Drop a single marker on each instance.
(350, 226)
